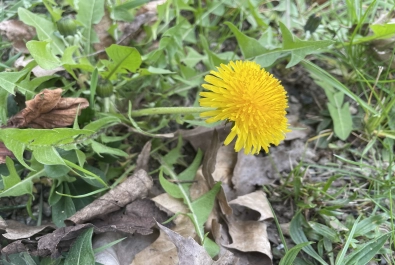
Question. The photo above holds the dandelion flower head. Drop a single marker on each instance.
(252, 99)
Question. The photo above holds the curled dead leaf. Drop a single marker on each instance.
(250, 236)
(143, 157)
(209, 162)
(134, 187)
(14, 247)
(190, 252)
(48, 110)
(165, 251)
(256, 201)
(16, 230)
(18, 33)
(59, 240)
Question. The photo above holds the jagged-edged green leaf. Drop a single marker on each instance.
(189, 173)
(199, 208)
(51, 6)
(121, 12)
(180, 189)
(102, 123)
(67, 57)
(45, 29)
(213, 59)
(380, 31)
(8, 80)
(204, 204)
(14, 186)
(103, 149)
(171, 188)
(31, 85)
(89, 13)
(250, 47)
(41, 141)
(47, 155)
(123, 59)
(193, 57)
(171, 157)
(154, 71)
(299, 48)
(42, 53)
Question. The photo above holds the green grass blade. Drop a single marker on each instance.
(299, 237)
(292, 253)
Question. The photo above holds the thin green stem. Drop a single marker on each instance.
(168, 110)
(280, 232)
(187, 201)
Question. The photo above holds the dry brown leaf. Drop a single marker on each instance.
(143, 157)
(221, 236)
(105, 39)
(199, 135)
(16, 230)
(251, 170)
(139, 216)
(198, 189)
(4, 152)
(162, 251)
(48, 110)
(134, 187)
(256, 201)
(250, 236)
(37, 70)
(129, 30)
(18, 33)
(150, 7)
(191, 253)
(123, 252)
(209, 162)
(225, 163)
(59, 240)
(14, 247)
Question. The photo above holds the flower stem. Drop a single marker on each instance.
(169, 110)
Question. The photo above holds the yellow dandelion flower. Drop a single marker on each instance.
(252, 99)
